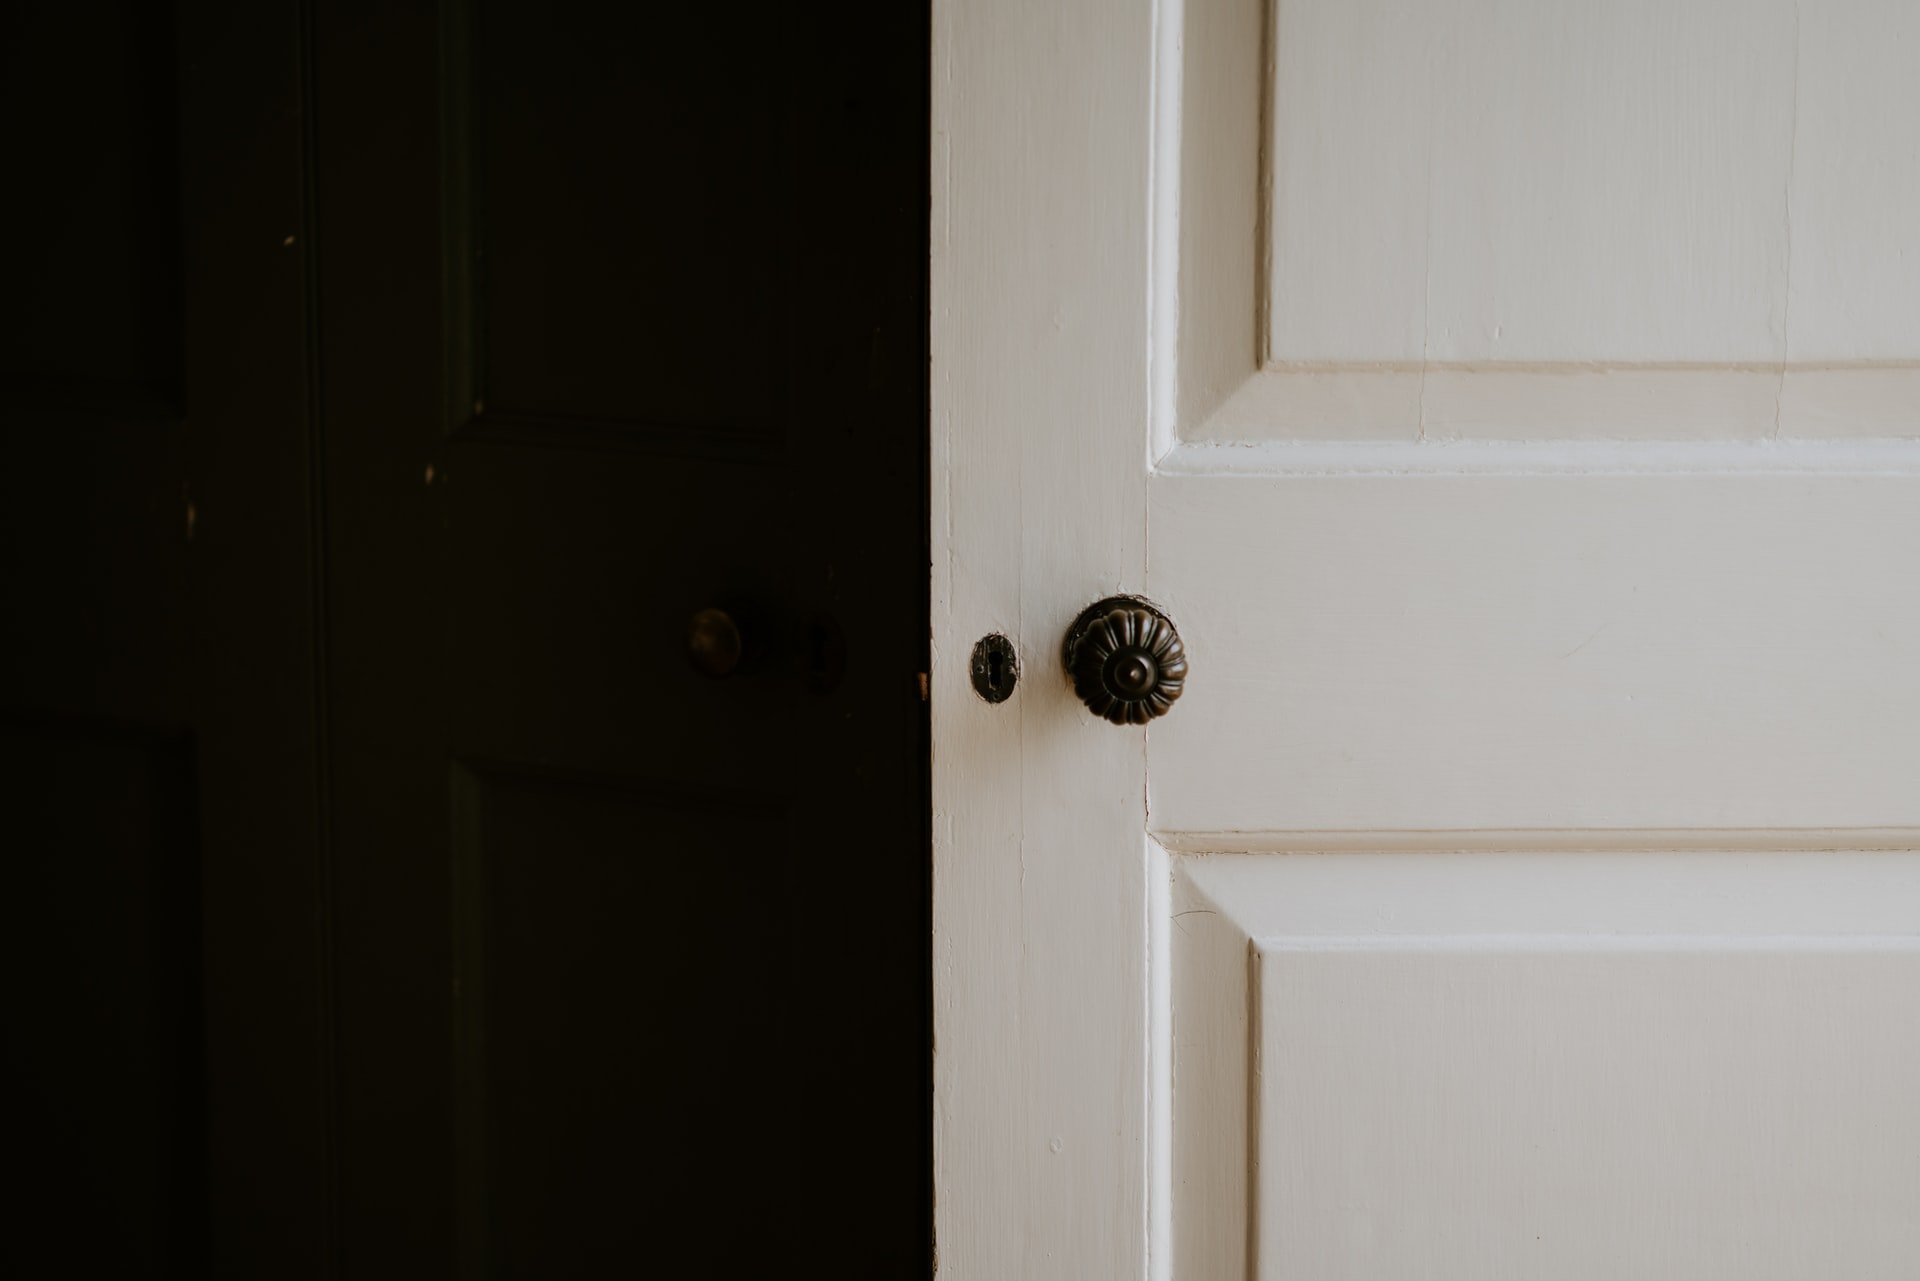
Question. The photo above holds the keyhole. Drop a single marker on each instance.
(995, 668)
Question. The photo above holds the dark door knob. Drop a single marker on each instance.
(1127, 662)
(723, 642)
(714, 645)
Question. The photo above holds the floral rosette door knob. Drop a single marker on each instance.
(1126, 659)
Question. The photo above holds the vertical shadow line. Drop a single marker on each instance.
(332, 1254)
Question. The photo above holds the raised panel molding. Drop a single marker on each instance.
(1577, 1065)
(93, 329)
(619, 950)
(102, 946)
(635, 366)
(1387, 221)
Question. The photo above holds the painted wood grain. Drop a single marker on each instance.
(1482, 181)
(1532, 1064)
(1514, 489)
(1039, 420)
(1588, 1109)
(1539, 651)
(1480, 220)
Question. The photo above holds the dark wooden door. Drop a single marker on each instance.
(360, 499)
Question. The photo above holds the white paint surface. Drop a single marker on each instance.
(1704, 181)
(1573, 516)
(1558, 180)
(1446, 651)
(1530, 1064)
(1586, 1109)
(1039, 333)
(1652, 219)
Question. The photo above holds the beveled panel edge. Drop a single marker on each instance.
(1205, 1122)
(1184, 844)
(1571, 402)
(1580, 457)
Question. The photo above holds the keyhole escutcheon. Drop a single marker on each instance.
(995, 668)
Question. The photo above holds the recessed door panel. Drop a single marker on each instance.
(93, 321)
(103, 971)
(1536, 1063)
(621, 971)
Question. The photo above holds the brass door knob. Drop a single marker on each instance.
(1126, 659)
(748, 642)
(714, 646)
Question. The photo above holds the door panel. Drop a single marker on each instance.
(98, 246)
(1540, 1063)
(1464, 221)
(621, 961)
(580, 264)
(103, 961)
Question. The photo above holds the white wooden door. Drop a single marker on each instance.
(1516, 405)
